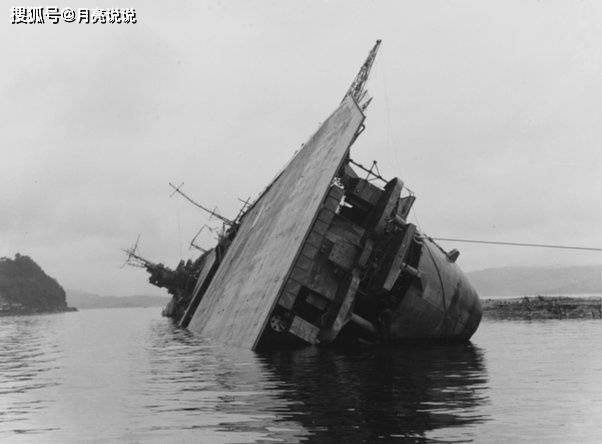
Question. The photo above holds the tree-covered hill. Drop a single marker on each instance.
(26, 289)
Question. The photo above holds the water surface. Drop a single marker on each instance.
(129, 375)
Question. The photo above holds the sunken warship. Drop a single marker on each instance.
(324, 255)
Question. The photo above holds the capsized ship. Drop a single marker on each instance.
(324, 255)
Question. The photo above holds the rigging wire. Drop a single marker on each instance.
(512, 244)
(382, 75)
(517, 244)
(179, 230)
(381, 71)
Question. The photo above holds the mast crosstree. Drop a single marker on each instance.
(356, 90)
(177, 189)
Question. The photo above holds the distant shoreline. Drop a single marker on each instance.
(543, 307)
(84, 301)
(29, 312)
(160, 307)
(545, 295)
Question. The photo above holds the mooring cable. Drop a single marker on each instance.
(516, 244)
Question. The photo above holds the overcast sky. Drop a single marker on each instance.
(490, 112)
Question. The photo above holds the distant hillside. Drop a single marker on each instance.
(516, 281)
(83, 300)
(26, 289)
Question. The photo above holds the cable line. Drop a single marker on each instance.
(517, 244)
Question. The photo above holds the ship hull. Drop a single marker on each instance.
(444, 306)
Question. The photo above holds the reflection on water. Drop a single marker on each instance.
(382, 393)
(126, 374)
(322, 394)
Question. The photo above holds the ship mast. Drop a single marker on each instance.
(177, 189)
(356, 90)
(134, 259)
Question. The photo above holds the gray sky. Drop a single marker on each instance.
(490, 112)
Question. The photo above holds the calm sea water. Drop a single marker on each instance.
(129, 375)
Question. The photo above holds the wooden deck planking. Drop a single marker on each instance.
(246, 286)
